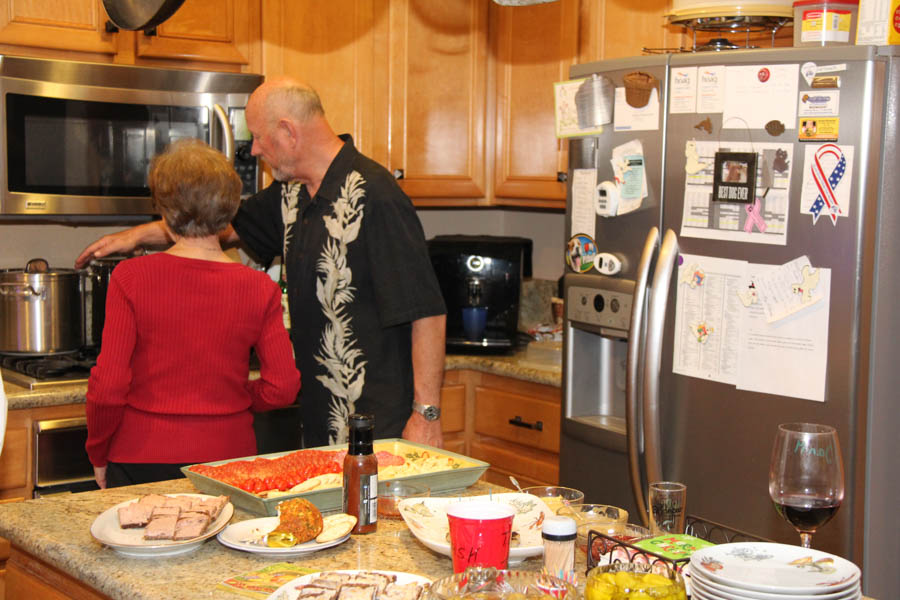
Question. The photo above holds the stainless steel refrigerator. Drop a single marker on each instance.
(633, 411)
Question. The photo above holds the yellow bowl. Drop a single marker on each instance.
(626, 581)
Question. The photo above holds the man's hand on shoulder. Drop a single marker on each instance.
(421, 431)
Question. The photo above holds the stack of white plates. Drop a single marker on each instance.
(765, 571)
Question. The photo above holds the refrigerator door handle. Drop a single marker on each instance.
(633, 366)
(656, 320)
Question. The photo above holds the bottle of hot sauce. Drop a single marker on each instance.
(361, 475)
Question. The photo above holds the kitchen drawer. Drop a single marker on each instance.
(525, 462)
(517, 418)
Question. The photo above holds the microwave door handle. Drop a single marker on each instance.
(633, 367)
(656, 319)
(222, 117)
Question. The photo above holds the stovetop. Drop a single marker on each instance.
(35, 372)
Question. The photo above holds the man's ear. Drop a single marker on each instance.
(289, 129)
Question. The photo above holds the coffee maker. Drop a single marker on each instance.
(481, 279)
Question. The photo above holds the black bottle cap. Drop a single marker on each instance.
(362, 432)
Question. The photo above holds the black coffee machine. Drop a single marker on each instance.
(481, 279)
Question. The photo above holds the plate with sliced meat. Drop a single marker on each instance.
(354, 585)
(162, 525)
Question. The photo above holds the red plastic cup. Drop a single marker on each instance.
(479, 534)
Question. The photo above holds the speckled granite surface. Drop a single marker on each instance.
(514, 365)
(57, 530)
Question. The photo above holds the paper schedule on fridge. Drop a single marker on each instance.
(708, 318)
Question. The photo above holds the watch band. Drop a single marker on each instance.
(429, 411)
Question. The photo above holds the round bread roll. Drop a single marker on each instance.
(335, 526)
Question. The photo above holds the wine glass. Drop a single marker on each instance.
(806, 476)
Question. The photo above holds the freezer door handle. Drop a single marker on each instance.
(656, 320)
(633, 371)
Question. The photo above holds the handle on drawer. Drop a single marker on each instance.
(518, 422)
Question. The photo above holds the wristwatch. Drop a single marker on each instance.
(429, 411)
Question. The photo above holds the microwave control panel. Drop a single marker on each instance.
(247, 167)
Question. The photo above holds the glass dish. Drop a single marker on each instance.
(626, 581)
(611, 520)
(488, 583)
(554, 496)
(390, 493)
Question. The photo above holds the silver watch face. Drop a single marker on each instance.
(430, 412)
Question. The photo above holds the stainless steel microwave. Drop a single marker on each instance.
(77, 138)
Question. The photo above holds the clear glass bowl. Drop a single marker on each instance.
(555, 496)
(611, 520)
(488, 583)
(627, 581)
(390, 493)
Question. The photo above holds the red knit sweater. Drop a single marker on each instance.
(170, 385)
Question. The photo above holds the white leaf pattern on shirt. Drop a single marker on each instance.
(343, 360)
(289, 194)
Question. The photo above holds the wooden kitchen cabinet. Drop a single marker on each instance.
(438, 58)
(219, 35)
(533, 47)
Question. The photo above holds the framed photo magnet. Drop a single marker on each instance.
(734, 178)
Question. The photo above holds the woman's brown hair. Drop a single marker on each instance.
(195, 188)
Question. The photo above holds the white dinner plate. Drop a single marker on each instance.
(131, 542)
(427, 520)
(717, 591)
(237, 536)
(288, 591)
(775, 568)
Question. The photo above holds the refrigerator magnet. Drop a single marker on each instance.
(818, 129)
(734, 177)
(580, 253)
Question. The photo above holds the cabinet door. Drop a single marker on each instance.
(341, 51)
(56, 25)
(534, 47)
(215, 31)
(437, 97)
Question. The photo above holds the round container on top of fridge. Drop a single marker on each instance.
(825, 22)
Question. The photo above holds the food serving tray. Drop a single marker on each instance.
(330, 498)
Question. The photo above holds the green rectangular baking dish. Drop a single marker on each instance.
(330, 499)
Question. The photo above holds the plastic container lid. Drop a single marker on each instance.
(825, 2)
(558, 528)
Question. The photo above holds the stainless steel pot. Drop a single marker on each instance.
(99, 271)
(41, 309)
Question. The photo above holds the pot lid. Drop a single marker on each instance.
(140, 14)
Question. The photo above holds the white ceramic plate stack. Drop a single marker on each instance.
(766, 571)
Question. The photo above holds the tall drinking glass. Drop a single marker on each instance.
(806, 476)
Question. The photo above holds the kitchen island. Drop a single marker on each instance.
(55, 556)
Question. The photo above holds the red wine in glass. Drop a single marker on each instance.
(805, 513)
(806, 476)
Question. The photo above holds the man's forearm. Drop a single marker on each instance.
(428, 344)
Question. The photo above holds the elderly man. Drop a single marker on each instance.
(367, 316)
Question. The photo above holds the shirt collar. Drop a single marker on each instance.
(334, 176)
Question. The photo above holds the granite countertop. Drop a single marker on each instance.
(516, 365)
(56, 529)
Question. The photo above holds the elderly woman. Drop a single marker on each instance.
(171, 383)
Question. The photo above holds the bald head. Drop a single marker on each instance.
(286, 97)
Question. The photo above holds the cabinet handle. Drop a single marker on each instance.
(518, 422)
(111, 27)
(562, 176)
(398, 173)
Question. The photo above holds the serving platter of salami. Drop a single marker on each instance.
(159, 525)
(258, 483)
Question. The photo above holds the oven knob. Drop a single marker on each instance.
(614, 305)
(598, 303)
